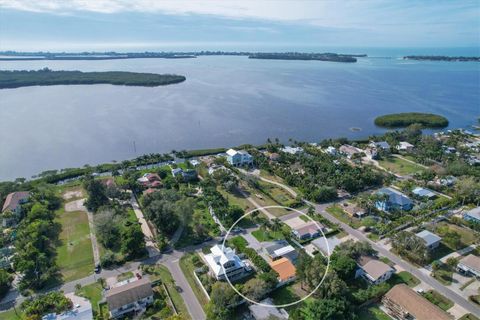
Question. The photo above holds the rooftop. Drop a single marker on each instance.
(429, 237)
(128, 293)
(373, 267)
(308, 228)
(395, 196)
(416, 305)
(475, 213)
(284, 268)
(471, 261)
(218, 257)
(14, 199)
(422, 192)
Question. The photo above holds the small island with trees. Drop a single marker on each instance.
(400, 120)
(441, 58)
(334, 57)
(47, 77)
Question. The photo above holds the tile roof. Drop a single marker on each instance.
(416, 305)
(284, 268)
(128, 293)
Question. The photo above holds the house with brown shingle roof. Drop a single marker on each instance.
(13, 203)
(373, 270)
(285, 269)
(470, 265)
(131, 297)
(308, 230)
(403, 303)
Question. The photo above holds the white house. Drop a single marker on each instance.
(239, 158)
(223, 263)
(404, 146)
(292, 150)
(472, 215)
(431, 239)
(134, 296)
(331, 150)
(372, 270)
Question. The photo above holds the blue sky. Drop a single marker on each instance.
(125, 25)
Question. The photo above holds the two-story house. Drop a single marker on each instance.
(239, 158)
(225, 263)
(132, 297)
(12, 207)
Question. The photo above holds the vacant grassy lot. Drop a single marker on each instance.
(267, 235)
(341, 215)
(467, 236)
(438, 300)
(399, 166)
(187, 266)
(287, 294)
(74, 255)
(373, 313)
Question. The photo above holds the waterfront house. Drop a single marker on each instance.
(239, 158)
(431, 240)
(292, 150)
(349, 151)
(280, 249)
(309, 230)
(469, 265)
(380, 145)
(424, 193)
(331, 151)
(223, 263)
(176, 172)
(404, 146)
(373, 270)
(403, 303)
(132, 297)
(394, 200)
(12, 207)
(472, 215)
(285, 269)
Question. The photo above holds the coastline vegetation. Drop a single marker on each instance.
(399, 120)
(441, 58)
(47, 77)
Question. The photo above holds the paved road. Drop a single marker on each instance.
(447, 292)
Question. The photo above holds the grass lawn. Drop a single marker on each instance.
(373, 313)
(405, 277)
(438, 300)
(124, 276)
(74, 255)
(11, 315)
(469, 316)
(267, 235)
(187, 266)
(467, 236)
(441, 251)
(399, 166)
(161, 272)
(93, 292)
(285, 294)
(443, 275)
(341, 215)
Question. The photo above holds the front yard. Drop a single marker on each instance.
(400, 166)
(438, 300)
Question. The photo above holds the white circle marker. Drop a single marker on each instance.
(286, 304)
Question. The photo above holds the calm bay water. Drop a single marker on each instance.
(225, 101)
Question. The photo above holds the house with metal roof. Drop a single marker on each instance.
(424, 193)
(373, 270)
(279, 249)
(404, 146)
(307, 231)
(225, 263)
(472, 215)
(431, 239)
(131, 297)
(394, 200)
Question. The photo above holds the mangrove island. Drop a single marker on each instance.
(399, 120)
(441, 58)
(47, 77)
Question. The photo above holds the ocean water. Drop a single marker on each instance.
(225, 101)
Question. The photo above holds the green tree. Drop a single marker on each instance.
(97, 196)
(133, 244)
(5, 282)
(222, 298)
(343, 265)
(325, 309)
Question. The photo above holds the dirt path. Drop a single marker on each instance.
(147, 233)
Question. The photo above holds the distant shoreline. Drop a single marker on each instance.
(402, 120)
(442, 58)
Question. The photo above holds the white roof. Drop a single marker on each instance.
(428, 237)
(284, 250)
(474, 213)
(219, 257)
(405, 144)
(231, 152)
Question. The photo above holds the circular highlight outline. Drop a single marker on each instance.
(285, 304)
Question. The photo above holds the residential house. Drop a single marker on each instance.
(150, 180)
(380, 145)
(279, 249)
(12, 207)
(349, 150)
(404, 146)
(395, 200)
(262, 312)
(446, 181)
(239, 158)
(470, 265)
(223, 263)
(331, 151)
(82, 310)
(292, 150)
(431, 240)
(371, 152)
(403, 303)
(307, 231)
(273, 156)
(424, 193)
(353, 210)
(285, 269)
(472, 215)
(189, 175)
(194, 162)
(373, 270)
(131, 297)
(176, 172)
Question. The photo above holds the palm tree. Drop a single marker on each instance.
(276, 224)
